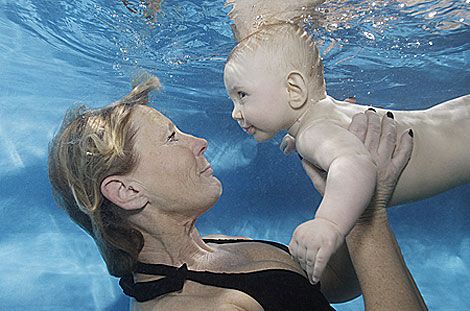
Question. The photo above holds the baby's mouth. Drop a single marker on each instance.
(249, 130)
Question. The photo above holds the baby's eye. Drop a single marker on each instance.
(241, 94)
(172, 137)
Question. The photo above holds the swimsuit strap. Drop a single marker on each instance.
(229, 241)
(143, 291)
(174, 277)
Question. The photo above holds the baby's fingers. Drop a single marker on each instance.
(298, 253)
(310, 264)
(293, 247)
(403, 151)
(302, 257)
(296, 250)
(288, 144)
(321, 260)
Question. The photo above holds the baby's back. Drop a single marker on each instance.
(441, 153)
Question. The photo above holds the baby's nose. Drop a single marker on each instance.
(236, 114)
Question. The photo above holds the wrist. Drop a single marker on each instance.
(331, 224)
(373, 215)
(378, 204)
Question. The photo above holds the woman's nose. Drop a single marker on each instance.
(199, 146)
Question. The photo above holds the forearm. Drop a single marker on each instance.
(349, 188)
(339, 281)
(385, 280)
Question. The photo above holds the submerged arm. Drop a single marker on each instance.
(385, 280)
(383, 276)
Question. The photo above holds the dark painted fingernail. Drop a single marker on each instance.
(390, 115)
(411, 133)
(371, 109)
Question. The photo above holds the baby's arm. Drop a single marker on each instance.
(349, 188)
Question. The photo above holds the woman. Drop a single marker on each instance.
(137, 184)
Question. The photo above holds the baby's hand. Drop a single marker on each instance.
(312, 245)
(288, 144)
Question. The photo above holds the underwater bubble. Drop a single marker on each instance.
(369, 35)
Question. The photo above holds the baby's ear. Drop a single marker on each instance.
(297, 88)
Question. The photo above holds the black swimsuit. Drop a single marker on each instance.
(273, 289)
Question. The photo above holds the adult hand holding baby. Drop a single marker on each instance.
(315, 241)
(380, 138)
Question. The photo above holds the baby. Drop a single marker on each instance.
(275, 80)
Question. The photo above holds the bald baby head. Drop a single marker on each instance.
(284, 48)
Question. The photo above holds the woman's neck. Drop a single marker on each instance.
(173, 240)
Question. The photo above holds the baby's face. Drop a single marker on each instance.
(260, 97)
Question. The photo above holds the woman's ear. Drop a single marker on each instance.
(297, 89)
(123, 193)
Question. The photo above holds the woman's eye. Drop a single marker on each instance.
(172, 137)
(241, 94)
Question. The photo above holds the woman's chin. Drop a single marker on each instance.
(216, 190)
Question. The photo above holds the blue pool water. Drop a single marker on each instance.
(54, 54)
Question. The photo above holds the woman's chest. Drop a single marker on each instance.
(250, 257)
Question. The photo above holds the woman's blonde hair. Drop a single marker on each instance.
(91, 145)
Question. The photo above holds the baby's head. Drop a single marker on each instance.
(270, 76)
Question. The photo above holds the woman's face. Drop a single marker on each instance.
(172, 168)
